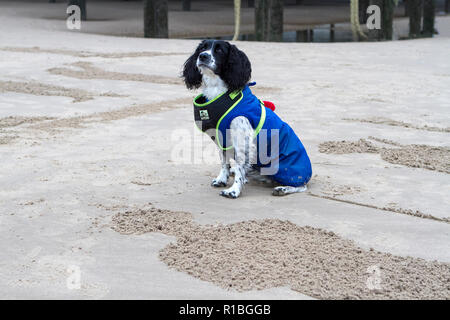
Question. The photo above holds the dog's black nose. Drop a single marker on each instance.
(204, 57)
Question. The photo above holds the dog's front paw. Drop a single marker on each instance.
(232, 194)
(217, 183)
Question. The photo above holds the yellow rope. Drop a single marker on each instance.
(354, 20)
(237, 19)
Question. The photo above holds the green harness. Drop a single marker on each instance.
(209, 114)
(214, 117)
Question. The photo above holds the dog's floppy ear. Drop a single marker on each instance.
(191, 75)
(238, 70)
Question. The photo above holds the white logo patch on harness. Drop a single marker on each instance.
(204, 115)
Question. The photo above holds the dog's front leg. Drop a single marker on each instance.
(244, 154)
(222, 178)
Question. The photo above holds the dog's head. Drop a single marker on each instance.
(219, 58)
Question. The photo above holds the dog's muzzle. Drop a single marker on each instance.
(204, 58)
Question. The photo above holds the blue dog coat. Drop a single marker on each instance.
(214, 117)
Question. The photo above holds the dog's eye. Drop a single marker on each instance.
(218, 49)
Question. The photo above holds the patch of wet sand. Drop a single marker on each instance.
(385, 141)
(133, 111)
(272, 253)
(419, 156)
(6, 138)
(342, 147)
(41, 89)
(91, 72)
(14, 121)
(415, 156)
(390, 122)
(88, 54)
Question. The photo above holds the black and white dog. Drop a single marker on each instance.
(218, 67)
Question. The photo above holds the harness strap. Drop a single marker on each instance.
(209, 114)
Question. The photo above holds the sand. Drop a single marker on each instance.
(390, 122)
(41, 89)
(340, 190)
(94, 159)
(268, 253)
(415, 156)
(11, 121)
(91, 72)
(88, 54)
(6, 138)
(342, 147)
(419, 156)
(390, 207)
(107, 116)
